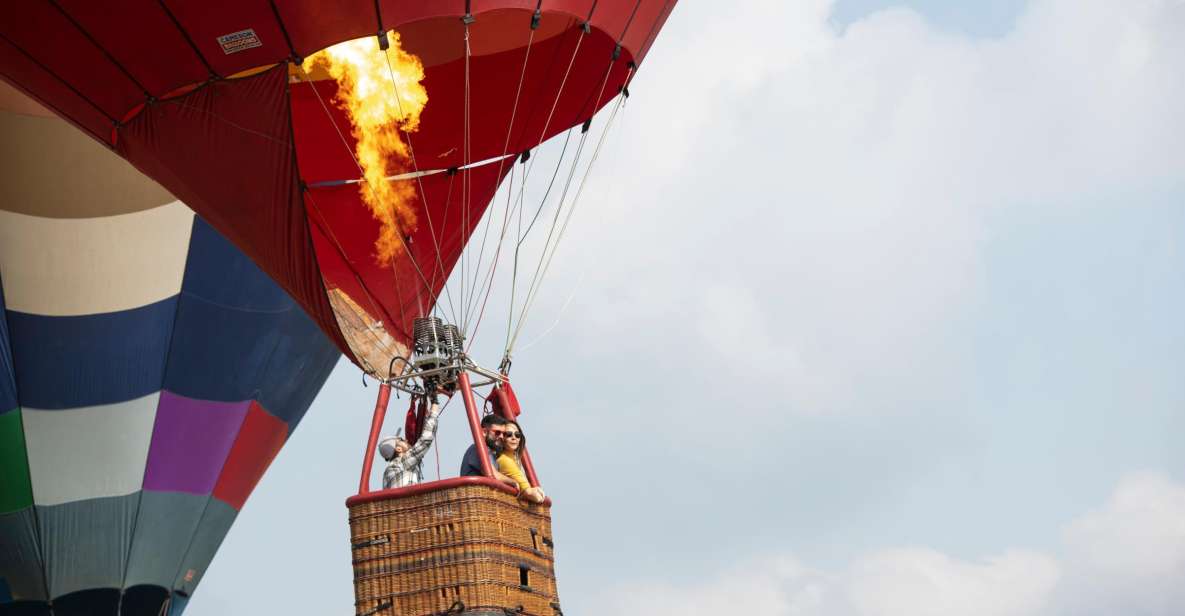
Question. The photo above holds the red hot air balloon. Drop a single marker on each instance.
(206, 99)
(216, 102)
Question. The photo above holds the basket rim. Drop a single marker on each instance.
(435, 486)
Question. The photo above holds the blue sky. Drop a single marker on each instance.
(985, 18)
(873, 308)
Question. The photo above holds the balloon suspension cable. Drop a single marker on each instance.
(423, 194)
(510, 339)
(488, 285)
(502, 159)
(546, 261)
(361, 173)
(465, 176)
(323, 224)
(546, 243)
(522, 235)
(560, 315)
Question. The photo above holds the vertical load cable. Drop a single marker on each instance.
(522, 236)
(323, 224)
(506, 148)
(547, 242)
(423, 194)
(531, 165)
(362, 174)
(584, 135)
(537, 283)
(465, 177)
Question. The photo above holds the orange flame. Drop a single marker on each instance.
(378, 111)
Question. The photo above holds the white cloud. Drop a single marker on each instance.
(1126, 557)
(1130, 553)
(772, 587)
(925, 582)
(828, 191)
(899, 582)
(1139, 532)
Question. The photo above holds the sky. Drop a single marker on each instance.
(871, 308)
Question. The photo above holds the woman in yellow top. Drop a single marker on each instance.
(510, 462)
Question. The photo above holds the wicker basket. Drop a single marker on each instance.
(460, 546)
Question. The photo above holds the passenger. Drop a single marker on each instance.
(493, 427)
(511, 464)
(405, 461)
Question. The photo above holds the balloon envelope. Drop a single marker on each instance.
(265, 153)
(149, 374)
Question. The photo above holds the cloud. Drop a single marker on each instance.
(792, 203)
(1127, 557)
(924, 582)
(1139, 532)
(773, 587)
(898, 582)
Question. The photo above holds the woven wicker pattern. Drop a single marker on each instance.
(471, 545)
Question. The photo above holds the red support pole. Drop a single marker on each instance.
(376, 424)
(479, 439)
(529, 468)
(506, 404)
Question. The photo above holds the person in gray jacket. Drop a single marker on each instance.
(404, 460)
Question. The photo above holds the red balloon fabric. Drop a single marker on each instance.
(262, 156)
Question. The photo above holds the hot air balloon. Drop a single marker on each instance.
(256, 116)
(149, 374)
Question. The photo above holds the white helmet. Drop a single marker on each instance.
(387, 447)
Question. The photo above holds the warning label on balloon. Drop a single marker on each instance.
(238, 41)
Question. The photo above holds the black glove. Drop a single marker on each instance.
(431, 387)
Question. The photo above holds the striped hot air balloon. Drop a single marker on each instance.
(149, 374)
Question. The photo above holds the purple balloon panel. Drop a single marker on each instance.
(190, 442)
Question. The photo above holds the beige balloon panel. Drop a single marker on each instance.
(81, 230)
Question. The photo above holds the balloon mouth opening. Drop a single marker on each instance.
(374, 348)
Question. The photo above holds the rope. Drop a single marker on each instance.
(362, 174)
(550, 184)
(437, 449)
(218, 117)
(323, 224)
(530, 167)
(489, 279)
(436, 444)
(564, 82)
(542, 134)
(522, 236)
(514, 269)
(560, 315)
(547, 243)
(465, 181)
(420, 183)
(501, 164)
(537, 281)
(448, 202)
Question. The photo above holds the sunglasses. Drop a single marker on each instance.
(512, 435)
